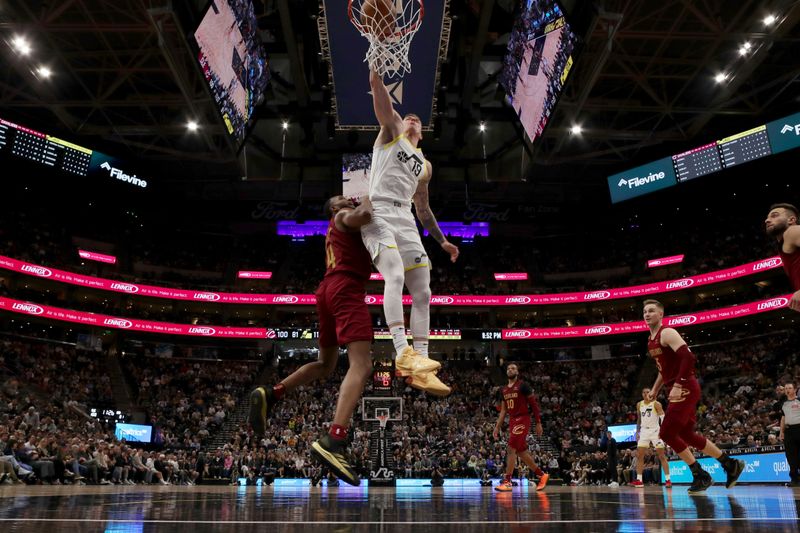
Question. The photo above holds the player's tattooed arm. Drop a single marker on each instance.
(428, 220)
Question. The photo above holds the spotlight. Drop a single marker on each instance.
(22, 45)
(482, 127)
(720, 77)
(192, 125)
(285, 125)
(769, 20)
(576, 129)
(44, 71)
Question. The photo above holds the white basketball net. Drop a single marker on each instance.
(389, 35)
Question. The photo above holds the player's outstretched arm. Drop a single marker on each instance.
(425, 215)
(353, 219)
(388, 118)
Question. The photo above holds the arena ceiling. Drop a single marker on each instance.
(125, 81)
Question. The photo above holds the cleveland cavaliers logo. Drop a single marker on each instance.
(518, 430)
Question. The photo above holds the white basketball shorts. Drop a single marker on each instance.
(393, 226)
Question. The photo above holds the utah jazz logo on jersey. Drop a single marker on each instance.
(416, 165)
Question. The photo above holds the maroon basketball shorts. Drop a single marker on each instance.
(684, 411)
(343, 314)
(518, 429)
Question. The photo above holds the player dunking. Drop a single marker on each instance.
(518, 402)
(399, 174)
(675, 364)
(781, 223)
(343, 320)
(648, 425)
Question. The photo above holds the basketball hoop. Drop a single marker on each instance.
(389, 33)
(382, 415)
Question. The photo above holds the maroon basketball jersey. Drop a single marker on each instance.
(791, 264)
(667, 361)
(345, 252)
(516, 398)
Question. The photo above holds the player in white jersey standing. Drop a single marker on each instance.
(647, 427)
(399, 175)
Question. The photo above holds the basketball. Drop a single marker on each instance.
(378, 17)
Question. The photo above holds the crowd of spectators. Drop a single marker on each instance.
(188, 400)
(46, 436)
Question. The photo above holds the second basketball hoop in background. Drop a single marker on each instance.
(389, 27)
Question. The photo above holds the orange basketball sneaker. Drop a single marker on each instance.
(504, 486)
(543, 482)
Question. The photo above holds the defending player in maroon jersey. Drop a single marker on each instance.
(781, 223)
(519, 403)
(675, 364)
(343, 320)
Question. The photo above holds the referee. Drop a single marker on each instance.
(790, 432)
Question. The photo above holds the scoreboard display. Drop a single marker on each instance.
(21, 142)
(744, 147)
(697, 162)
(44, 149)
(762, 141)
(382, 376)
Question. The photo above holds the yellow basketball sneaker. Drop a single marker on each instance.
(410, 363)
(429, 383)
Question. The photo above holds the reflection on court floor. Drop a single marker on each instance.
(457, 506)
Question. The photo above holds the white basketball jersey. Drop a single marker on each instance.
(648, 416)
(396, 169)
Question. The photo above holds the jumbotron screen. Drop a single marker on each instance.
(355, 174)
(233, 60)
(538, 62)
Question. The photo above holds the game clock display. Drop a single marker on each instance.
(382, 375)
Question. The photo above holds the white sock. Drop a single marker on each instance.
(399, 338)
(421, 346)
(390, 265)
(639, 477)
(418, 282)
(666, 477)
